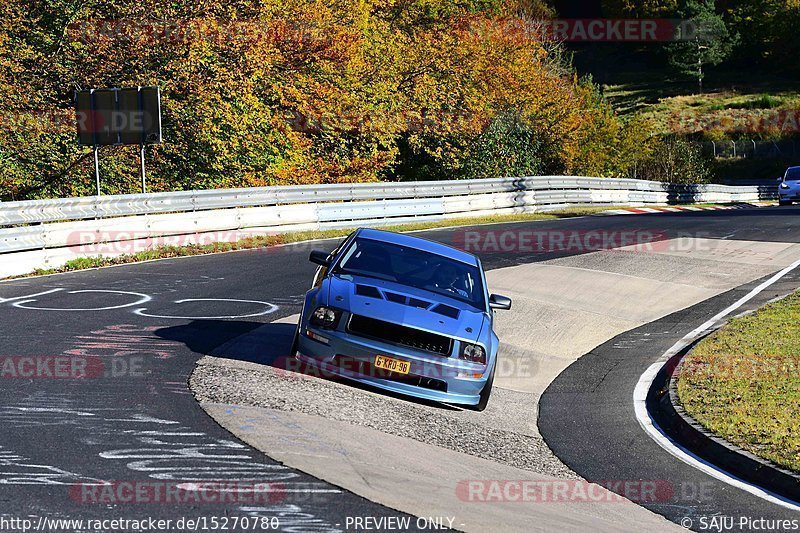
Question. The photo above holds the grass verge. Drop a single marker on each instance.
(263, 241)
(743, 382)
(660, 90)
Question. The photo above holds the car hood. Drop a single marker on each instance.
(401, 304)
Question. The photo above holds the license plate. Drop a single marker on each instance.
(392, 365)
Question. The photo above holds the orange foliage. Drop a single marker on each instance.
(259, 92)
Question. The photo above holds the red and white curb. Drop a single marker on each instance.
(679, 209)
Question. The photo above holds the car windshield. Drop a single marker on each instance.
(793, 174)
(413, 267)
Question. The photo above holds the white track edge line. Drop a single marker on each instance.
(657, 434)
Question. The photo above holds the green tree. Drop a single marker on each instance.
(767, 29)
(710, 44)
(508, 147)
(639, 9)
(674, 160)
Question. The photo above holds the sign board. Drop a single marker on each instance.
(118, 116)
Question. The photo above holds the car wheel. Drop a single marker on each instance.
(485, 393)
(783, 202)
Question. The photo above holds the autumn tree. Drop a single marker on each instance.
(296, 91)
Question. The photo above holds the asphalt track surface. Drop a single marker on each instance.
(136, 422)
(587, 418)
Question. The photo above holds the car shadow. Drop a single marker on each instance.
(268, 345)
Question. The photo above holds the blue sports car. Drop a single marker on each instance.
(403, 314)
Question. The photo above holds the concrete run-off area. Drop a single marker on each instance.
(415, 457)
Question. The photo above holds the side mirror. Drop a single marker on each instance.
(499, 302)
(320, 258)
(780, 179)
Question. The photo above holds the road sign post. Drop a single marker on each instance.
(97, 169)
(141, 160)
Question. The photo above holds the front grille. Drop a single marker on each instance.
(402, 335)
(365, 368)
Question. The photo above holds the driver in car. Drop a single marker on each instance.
(447, 278)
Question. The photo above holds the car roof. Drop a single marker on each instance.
(425, 245)
(793, 168)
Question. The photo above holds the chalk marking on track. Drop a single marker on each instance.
(20, 470)
(143, 298)
(270, 308)
(4, 300)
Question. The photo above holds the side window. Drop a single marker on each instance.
(322, 271)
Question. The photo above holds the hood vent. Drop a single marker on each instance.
(396, 298)
(420, 304)
(373, 292)
(446, 310)
(406, 300)
(370, 292)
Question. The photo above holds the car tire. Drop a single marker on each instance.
(485, 393)
(783, 202)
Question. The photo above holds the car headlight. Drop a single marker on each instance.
(473, 353)
(326, 317)
(784, 186)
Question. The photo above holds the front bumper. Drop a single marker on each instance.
(431, 377)
(792, 194)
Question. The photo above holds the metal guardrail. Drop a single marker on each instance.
(41, 233)
(42, 211)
